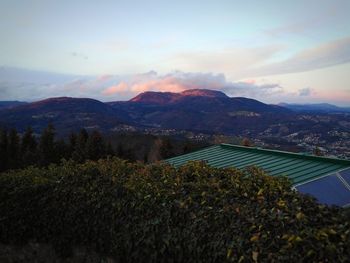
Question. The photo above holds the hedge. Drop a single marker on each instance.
(156, 213)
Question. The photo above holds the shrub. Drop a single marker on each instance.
(153, 213)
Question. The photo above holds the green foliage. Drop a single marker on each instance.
(95, 147)
(3, 149)
(46, 146)
(155, 213)
(28, 148)
(22, 151)
(166, 148)
(13, 148)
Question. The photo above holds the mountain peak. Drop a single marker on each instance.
(167, 97)
(204, 93)
(156, 97)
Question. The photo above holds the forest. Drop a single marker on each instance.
(22, 150)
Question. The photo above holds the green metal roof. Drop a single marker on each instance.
(299, 168)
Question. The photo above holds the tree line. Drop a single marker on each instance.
(22, 150)
(19, 151)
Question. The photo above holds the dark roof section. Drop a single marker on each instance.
(300, 168)
(332, 189)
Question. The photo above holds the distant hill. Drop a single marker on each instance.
(162, 98)
(200, 110)
(319, 107)
(10, 104)
(197, 110)
(65, 113)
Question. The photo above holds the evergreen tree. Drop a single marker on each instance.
(109, 149)
(72, 143)
(28, 148)
(120, 151)
(3, 150)
(61, 151)
(47, 146)
(79, 154)
(13, 149)
(166, 148)
(95, 148)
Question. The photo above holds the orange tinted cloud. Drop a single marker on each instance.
(122, 87)
(165, 85)
(334, 95)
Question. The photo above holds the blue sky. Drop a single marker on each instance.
(301, 49)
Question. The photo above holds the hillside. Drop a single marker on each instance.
(65, 113)
(200, 110)
(197, 110)
(10, 104)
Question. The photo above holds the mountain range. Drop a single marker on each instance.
(199, 110)
(318, 107)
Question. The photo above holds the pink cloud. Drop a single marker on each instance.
(169, 84)
(334, 95)
(250, 81)
(179, 81)
(122, 87)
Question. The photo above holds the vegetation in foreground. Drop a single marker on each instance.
(156, 213)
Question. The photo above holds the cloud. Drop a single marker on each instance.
(123, 87)
(257, 61)
(34, 85)
(234, 61)
(322, 56)
(305, 92)
(120, 88)
(180, 81)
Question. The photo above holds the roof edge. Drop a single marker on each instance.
(290, 154)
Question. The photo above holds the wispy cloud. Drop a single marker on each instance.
(249, 62)
(324, 55)
(234, 61)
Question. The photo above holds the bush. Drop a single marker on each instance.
(157, 213)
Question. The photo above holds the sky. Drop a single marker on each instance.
(291, 51)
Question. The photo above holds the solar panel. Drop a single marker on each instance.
(346, 175)
(327, 190)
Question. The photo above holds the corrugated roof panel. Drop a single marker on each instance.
(237, 160)
(320, 169)
(281, 164)
(276, 161)
(230, 158)
(298, 167)
(254, 161)
(290, 167)
(311, 176)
